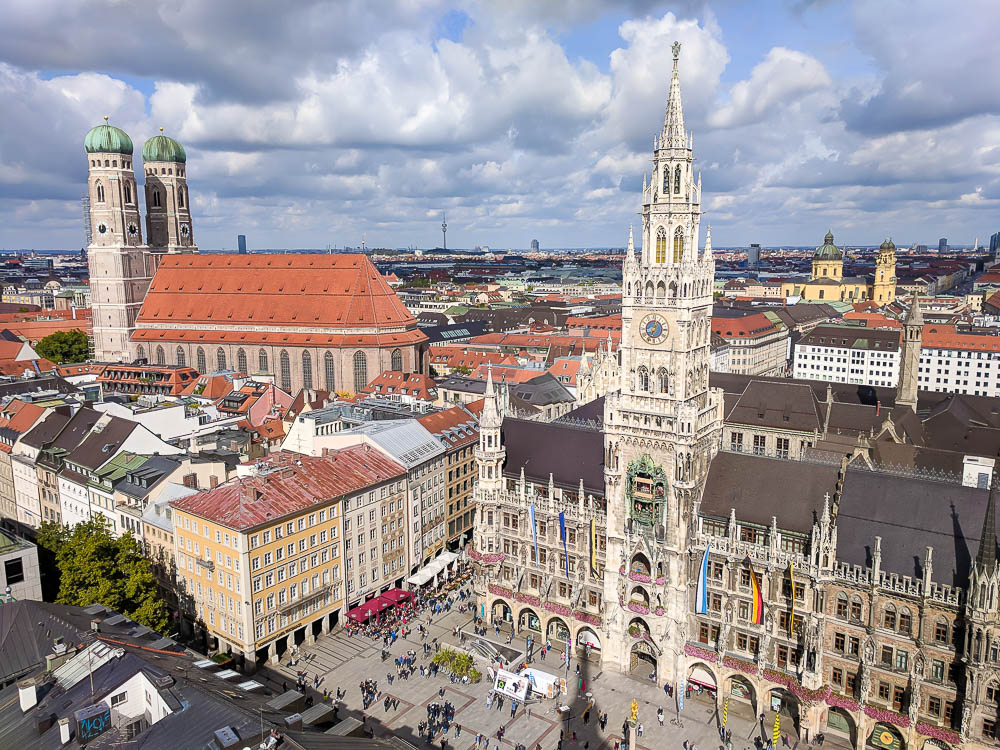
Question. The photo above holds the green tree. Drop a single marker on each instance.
(461, 370)
(96, 568)
(63, 347)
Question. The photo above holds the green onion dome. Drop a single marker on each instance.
(828, 251)
(163, 148)
(107, 139)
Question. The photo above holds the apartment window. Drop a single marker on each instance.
(759, 445)
(884, 691)
(887, 656)
(855, 608)
(905, 621)
(902, 660)
(937, 670)
(736, 442)
(898, 695)
(842, 605)
(839, 641)
(941, 631)
(889, 618)
(933, 705)
(782, 447)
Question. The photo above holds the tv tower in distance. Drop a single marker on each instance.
(444, 231)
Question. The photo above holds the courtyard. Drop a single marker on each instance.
(343, 662)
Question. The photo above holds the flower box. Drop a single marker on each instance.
(527, 599)
(939, 733)
(640, 577)
(642, 609)
(587, 618)
(661, 581)
(700, 653)
(499, 590)
(744, 666)
(659, 611)
(887, 716)
(559, 609)
(841, 701)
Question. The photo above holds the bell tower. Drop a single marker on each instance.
(884, 288)
(119, 263)
(663, 427)
(168, 209)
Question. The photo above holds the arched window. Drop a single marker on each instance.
(842, 605)
(220, 358)
(181, 358)
(241, 361)
(286, 371)
(128, 193)
(155, 194)
(100, 193)
(856, 608)
(200, 364)
(643, 374)
(661, 245)
(397, 360)
(360, 371)
(161, 356)
(905, 620)
(180, 197)
(664, 379)
(140, 352)
(262, 361)
(677, 180)
(678, 245)
(666, 179)
(307, 370)
(329, 372)
(889, 617)
(941, 630)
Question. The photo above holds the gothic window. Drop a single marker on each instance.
(677, 179)
(181, 359)
(397, 360)
(155, 194)
(241, 361)
(666, 179)
(200, 365)
(661, 290)
(661, 245)
(329, 372)
(262, 361)
(220, 358)
(180, 197)
(360, 371)
(140, 352)
(664, 379)
(100, 193)
(285, 369)
(643, 374)
(307, 370)
(128, 193)
(161, 356)
(678, 245)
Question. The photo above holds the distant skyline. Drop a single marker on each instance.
(336, 120)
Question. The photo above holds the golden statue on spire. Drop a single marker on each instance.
(635, 712)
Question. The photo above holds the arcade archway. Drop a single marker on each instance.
(529, 620)
(557, 629)
(701, 683)
(501, 612)
(743, 697)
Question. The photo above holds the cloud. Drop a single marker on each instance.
(333, 119)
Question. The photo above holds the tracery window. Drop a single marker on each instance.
(661, 245)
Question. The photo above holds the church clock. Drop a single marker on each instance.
(653, 329)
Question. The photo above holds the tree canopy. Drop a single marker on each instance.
(96, 568)
(64, 347)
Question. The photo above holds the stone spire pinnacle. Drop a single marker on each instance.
(708, 244)
(986, 558)
(913, 316)
(631, 241)
(673, 123)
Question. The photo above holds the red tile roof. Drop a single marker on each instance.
(407, 384)
(291, 291)
(211, 387)
(456, 427)
(295, 484)
(939, 336)
(18, 416)
(88, 368)
(749, 327)
(457, 356)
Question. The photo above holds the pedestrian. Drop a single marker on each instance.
(659, 715)
(639, 730)
(458, 731)
(784, 740)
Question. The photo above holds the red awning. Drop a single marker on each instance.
(363, 612)
(396, 596)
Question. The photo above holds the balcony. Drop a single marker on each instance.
(207, 564)
(319, 591)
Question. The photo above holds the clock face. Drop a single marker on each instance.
(653, 329)
(133, 230)
(185, 230)
(102, 228)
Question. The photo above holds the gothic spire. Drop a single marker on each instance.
(986, 558)
(673, 123)
(913, 316)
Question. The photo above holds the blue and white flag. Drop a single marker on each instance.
(701, 597)
(534, 531)
(562, 534)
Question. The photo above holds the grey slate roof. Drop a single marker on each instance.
(568, 453)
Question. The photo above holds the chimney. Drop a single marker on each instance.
(27, 694)
(95, 625)
(64, 732)
(878, 407)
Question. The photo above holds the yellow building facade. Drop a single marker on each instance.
(828, 284)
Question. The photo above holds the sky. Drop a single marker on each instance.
(329, 122)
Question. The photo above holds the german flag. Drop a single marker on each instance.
(757, 611)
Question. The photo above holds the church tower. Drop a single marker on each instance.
(909, 356)
(884, 288)
(168, 211)
(663, 427)
(120, 265)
